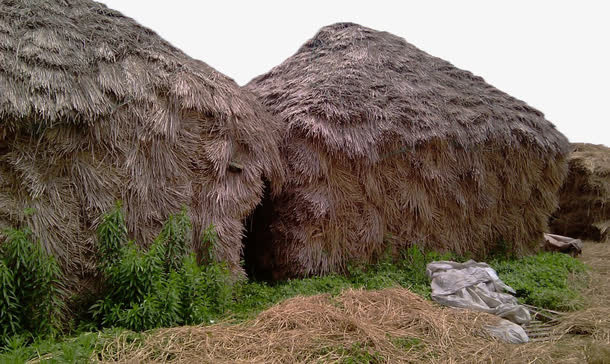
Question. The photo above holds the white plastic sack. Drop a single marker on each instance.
(508, 331)
(474, 286)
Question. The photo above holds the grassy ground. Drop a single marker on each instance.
(583, 335)
(386, 324)
(586, 332)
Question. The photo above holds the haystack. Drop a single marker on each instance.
(95, 108)
(584, 199)
(387, 146)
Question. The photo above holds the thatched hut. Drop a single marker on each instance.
(95, 108)
(388, 146)
(584, 198)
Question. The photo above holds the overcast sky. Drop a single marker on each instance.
(553, 55)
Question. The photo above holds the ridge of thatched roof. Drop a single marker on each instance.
(77, 61)
(348, 74)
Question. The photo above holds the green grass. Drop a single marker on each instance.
(75, 349)
(357, 353)
(546, 280)
(164, 285)
(407, 343)
(250, 298)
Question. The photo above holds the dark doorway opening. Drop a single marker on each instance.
(258, 253)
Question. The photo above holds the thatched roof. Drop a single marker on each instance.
(95, 107)
(584, 198)
(348, 75)
(386, 142)
(76, 62)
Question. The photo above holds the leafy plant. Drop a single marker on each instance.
(544, 280)
(9, 306)
(209, 240)
(112, 236)
(31, 294)
(160, 286)
(79, 349)
(174, 240)
(207, 291)
(17, 349)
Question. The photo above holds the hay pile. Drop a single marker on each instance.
(584, 199)
(96, 108)
(394, 323)
(387, 326)
(391, 325)
(387, 146)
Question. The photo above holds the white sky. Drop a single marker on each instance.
(554, 55)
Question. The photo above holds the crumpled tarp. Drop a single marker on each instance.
(563, 244)
(476, 286)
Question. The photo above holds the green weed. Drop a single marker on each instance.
(30, 294)
(407, 343)
(545, 280)
(356, 353)
(162, 286)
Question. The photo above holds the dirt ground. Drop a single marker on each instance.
(588, 330)
(582, 336)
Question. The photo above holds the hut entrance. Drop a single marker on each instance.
(258, 253)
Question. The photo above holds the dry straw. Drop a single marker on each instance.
(387, 146)
(386, 324)
(392, 325)
(584, 199)
(96, 108)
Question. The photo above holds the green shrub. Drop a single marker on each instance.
(161, 286)
(134, 275)
(30, 302)
(132, 281)
(207, 291)
(9, 306)
(112, 236)
(209, 239)
(174, 241)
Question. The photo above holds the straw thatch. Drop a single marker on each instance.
(584, 199)
(96, 108)
(387, 146)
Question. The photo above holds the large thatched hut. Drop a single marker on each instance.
(388, 146)
(95, 108)
(584, 198)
